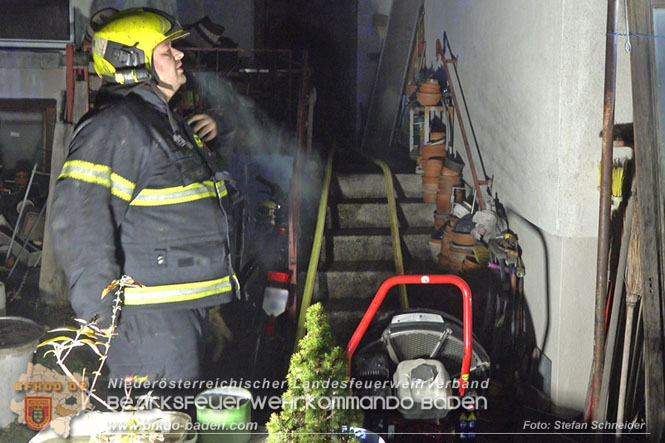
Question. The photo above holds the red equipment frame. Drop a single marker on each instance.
(421, 280)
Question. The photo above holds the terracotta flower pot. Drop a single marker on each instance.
(430, 189)
(450, 179)
(464, 239)
(433, 167)
(447, 172)
(446, 242)
(456, 256)
(470, 264)
(436, 136)
(454, 166)
(446, 184)
(463, 250)
(427, 180)
(428, 99)
(429, 197)
(430, 88)
(440, 219)
(443, 203)
(444, 263)
(455, 263)
(430, 151)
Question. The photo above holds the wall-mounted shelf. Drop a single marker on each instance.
(426, 113)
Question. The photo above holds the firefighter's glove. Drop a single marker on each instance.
(220, 334)
(204, 126)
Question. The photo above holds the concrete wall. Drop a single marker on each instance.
(532, 73)
(368, 49)
(559, 290)
(28, 74)
(237, 16)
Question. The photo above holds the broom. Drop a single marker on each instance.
(633, 295)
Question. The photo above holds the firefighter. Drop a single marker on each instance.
(141, 195)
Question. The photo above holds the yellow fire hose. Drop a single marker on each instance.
(318, 240)
(316, 250)
(394, 231)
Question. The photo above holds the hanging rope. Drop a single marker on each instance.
(628, 47)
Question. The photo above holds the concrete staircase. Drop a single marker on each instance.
(357, 256)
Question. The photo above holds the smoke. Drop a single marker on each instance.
(248, 141)
(252, 144)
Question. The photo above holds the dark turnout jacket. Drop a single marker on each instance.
(140, 195)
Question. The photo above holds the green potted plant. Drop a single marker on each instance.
(318, 373)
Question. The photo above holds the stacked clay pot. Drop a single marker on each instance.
(432, 163)
(429, 93)
(437, 137)
(429, 151)
(470, 264)
(455, 248)
(430, 187)
(448, 179)
(440, 220)
(435, 245)
(446, 240)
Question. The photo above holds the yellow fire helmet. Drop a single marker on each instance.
(122, 48)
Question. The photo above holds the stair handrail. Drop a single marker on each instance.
(316, 250)
(394, 230)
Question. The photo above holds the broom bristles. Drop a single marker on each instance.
(618, 176)
(618, 168)
(633, 265)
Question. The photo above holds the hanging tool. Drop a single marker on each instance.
(476, 182)
(26, 241)
(633, 296)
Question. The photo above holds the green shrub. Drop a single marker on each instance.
(312, 371)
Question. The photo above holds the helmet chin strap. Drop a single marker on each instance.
(153, 83)
(157, 82)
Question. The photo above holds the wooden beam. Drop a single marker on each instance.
(649, 149)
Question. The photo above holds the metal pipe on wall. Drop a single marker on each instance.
(605, 205)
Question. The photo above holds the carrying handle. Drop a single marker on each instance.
(421, 280)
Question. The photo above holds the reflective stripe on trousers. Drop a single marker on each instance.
(147, 295)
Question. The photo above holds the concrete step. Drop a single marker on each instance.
(375, 244)
(374, 213)
(352, 284)
(343, 324)
(374, 185)
(348, 288)
(357, 280)
(345, 315)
